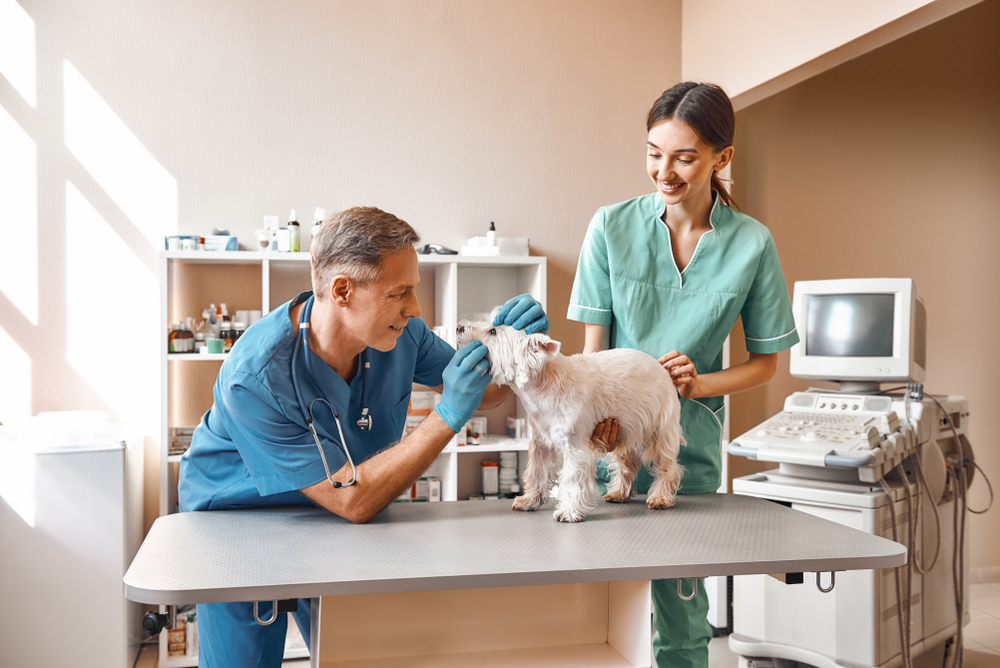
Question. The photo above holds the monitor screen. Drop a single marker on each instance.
(850, 325)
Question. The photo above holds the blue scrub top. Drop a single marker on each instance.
(253, 447)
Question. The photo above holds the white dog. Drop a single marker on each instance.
(566, 398)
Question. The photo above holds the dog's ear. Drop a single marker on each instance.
(543, 345)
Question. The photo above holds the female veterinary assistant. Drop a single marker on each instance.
(669, 273)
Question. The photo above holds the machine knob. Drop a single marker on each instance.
(812, 436)
(763, 432)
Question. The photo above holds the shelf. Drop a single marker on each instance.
(492, 444)
(235, 257)
(196, 357)
(253, 257)
(601, 655)
(192, 661)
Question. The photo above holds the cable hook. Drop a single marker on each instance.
(274, 613)
(680, 592)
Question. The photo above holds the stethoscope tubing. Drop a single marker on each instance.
(307, 412)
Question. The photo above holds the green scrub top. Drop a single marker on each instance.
(627, 278)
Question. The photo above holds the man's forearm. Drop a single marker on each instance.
(383, 477)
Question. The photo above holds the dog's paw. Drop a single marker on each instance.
(620, 497)
(524, 503)
(568, 515)
(661, 502)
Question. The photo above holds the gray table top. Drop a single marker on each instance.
(305, 552)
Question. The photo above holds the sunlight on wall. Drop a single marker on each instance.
(15, 387)
(17, 464)
(111, 314)
(17, 478)
(19, 211)
(17, 49)
(118, 161)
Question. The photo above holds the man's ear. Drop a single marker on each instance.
(341, 290)
(543, 345)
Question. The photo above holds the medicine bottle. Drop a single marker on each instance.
(293, 233)
(491, 479)
(199, 341)
(173, 341)
(238, 329)
(227, 333)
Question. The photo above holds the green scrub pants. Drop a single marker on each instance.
(681, 629)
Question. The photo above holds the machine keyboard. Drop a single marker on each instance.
(840, 432)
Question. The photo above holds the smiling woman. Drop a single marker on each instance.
(670, 272)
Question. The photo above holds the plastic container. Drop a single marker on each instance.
(491, 477)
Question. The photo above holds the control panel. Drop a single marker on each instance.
(834, 430)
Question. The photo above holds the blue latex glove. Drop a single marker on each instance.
(465, 380)
(523, 312)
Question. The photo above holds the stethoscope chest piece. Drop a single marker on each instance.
(365, 421)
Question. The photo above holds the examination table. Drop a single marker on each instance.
(470, 583)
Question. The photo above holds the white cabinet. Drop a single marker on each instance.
(452, 287)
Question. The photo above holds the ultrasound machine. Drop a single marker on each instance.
(870, 458)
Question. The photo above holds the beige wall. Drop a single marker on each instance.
(756, 49)
(147, 118)
(887, 166)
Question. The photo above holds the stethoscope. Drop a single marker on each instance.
(365, 422)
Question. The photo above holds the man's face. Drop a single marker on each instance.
(384, 308)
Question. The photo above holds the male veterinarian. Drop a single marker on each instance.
(332, 368)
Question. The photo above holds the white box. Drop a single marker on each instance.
(513, 246)
(421, 402)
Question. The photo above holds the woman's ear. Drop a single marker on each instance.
(723, 158)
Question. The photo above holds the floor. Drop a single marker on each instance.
(981, 636)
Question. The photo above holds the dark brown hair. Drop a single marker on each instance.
(353, 242)
(708, 111)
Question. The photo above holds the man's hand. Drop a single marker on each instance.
(523, 312)
(465, 378)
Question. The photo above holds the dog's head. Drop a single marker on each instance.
(515, 357)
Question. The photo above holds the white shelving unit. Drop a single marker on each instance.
(453, 287)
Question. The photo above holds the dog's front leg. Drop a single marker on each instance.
(538, 476)
(577, 487)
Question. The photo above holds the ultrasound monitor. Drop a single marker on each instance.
(860, 332)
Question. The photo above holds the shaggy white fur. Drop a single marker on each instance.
(566, 398)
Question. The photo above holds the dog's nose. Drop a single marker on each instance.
(460, 329)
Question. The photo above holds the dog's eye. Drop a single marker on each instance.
(493, 332)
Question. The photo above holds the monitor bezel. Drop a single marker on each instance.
(900, 367)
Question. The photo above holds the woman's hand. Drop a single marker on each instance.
(682, 372)
(607, 433)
